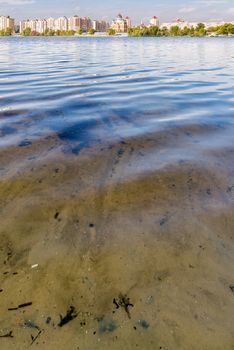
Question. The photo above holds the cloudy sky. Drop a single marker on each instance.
(138, 10)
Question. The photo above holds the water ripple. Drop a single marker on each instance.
(99, 89)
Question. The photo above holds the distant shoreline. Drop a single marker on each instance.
(114, 36)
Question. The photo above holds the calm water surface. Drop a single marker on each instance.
(92, 90)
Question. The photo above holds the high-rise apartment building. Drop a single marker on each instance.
(26, 24)
(36, 25)
(41, 26)
(22, 26)
(77, 23)
(74, 23)
(129, 23)
(50, 23)
(32, 24)
(7, 22)
(100, 26)
(86, 24)
(61, 23)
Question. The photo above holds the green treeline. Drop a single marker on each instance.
(50, 32)
(198, 31)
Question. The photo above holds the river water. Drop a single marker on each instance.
(117, 193)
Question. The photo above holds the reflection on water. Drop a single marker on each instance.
(117, 193)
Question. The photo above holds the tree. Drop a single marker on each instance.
(27, 32)
(175, 31)
(212, 29)
(8, 31)
(70, 32)
(80, 31)
(200, 30)
(231, 28)
(164, 31)
(154, 31)
(226, 29)
(92, 31)
(111, 31)
(192, 31)
(185, 31)
(47, 31)
(200, 26)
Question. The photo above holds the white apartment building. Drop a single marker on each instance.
(61, 23)
(154, 21)
(22, 26)
(50, 23)
(41, 26)
(6, 22)
(25, 24)
(36, 25)
(32, 24)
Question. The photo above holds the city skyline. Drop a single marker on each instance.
(121, 24)
(200, 10)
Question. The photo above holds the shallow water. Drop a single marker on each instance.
(117, 178)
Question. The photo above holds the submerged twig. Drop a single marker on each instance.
(71, 314)
(35, 338)
(124, 302)
(7, 335)
(20, 306)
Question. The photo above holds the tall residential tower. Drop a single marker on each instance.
(7, 22)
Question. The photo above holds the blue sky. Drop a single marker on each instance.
(166, 10)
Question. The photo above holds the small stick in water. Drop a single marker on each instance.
(25, 305)
(7, 335)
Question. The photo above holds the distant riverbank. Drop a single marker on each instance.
(201, 30)
(118, 36)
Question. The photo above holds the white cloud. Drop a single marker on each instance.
(187, 10)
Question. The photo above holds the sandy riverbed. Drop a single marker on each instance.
(144, 258)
